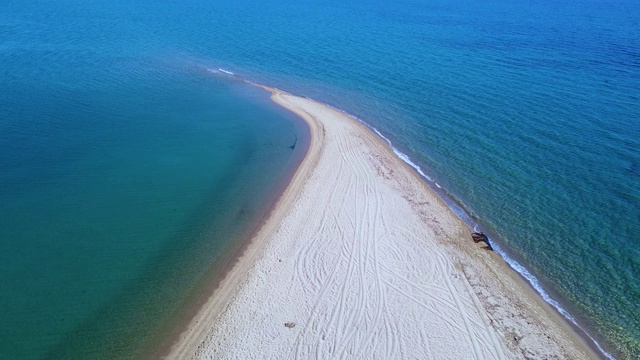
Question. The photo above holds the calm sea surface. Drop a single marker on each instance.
(126, 167)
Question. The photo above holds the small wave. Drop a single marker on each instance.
(536, 285)
(213, 71)
(225, 71)
(404, 157)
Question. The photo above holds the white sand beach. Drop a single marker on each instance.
(360, 259)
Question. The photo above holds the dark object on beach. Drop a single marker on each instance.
(478, 237)
(290, 325)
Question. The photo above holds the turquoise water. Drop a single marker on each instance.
(125, 178)
(525, 113)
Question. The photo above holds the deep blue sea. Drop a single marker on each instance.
(127, 169)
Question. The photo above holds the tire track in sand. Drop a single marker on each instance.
(355, 262)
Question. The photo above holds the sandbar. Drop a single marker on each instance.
(360, 259)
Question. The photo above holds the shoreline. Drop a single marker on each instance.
(506, 302)
(181, 344)
(235, 253)
(547, 299)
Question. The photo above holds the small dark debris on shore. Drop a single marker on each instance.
(481, 237)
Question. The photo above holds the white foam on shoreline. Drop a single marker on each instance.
(547, 298)
(225, 71)
(220, 71)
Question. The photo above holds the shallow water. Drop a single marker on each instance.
(123, 181)
(526, 113)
